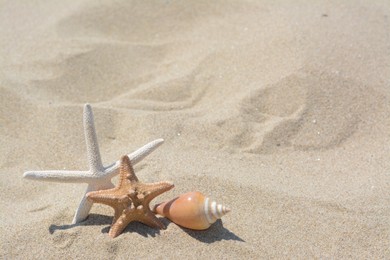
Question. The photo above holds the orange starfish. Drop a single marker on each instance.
(130, 199)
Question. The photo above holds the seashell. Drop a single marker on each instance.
(192, 210)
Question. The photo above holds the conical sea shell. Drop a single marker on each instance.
(192, 210)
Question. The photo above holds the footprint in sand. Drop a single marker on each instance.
(64, 238)
(313, 111)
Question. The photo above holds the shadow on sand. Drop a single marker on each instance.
(216, 232)
(98, 220)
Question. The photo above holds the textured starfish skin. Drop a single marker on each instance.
(98, 177)
(130, 199)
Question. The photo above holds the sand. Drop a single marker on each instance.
(280, 110)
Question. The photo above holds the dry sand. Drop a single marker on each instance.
(280, 110)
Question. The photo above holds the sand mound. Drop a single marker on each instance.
(304, 111)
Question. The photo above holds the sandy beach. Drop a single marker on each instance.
(279, 110)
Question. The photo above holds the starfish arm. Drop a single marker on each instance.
(152, 190)
(94, 160)
(136, 156)
(130, 215)
(117, 214)
(110, 197)
(82, 211)
(85, 204)
(151, 220)
(58, 176)
(126, 170)
(120, 224)
(145, 150)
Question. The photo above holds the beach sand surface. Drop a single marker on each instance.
(278, 109)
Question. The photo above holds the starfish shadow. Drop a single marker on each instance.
(98, 220)
(216, 232)
(92, 220)
(137, 227)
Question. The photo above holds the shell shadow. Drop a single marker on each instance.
(216, 232)
(98, 220)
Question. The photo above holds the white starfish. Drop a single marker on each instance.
(98, 177)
